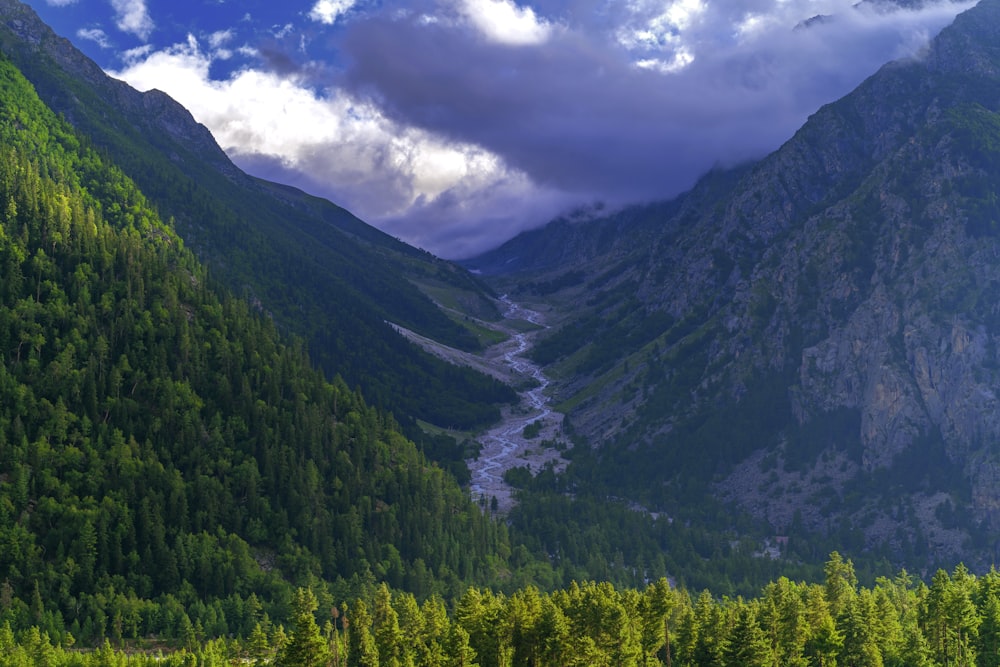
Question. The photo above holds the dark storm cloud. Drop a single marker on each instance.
(278, 59)
(575, 113)
(456, 124)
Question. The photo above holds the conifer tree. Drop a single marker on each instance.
(841, 583)
(748, 646)
(306, 646)
(361, 648)
(388, 636)
(460, 653)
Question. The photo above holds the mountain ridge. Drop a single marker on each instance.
(305, 262)
(168, 460)
(823, 331)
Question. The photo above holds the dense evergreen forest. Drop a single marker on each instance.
(166, 460)
(898, 622)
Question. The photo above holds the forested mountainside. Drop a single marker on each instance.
(317, 270)
(162, 452)
(813, 338)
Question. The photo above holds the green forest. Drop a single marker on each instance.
(161, 445)
(955, 620)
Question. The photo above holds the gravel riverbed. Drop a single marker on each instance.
(503, 446)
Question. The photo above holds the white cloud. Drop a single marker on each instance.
(132, 16)
(60, 3)
(652, 26)
(681, 58)
(94, 35)
(505, 22)
(328, 11)
(612, 101)
(220, 38)
(344, 149)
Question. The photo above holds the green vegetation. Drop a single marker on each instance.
(318, 271)
(168, 465)
(898, 622)
(179, 485)
(532, 430)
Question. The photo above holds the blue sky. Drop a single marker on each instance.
(455, 124)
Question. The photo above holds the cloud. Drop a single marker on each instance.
(60, 3)
(506, 23)
(220, 38)
(132, 16)
(638, 107)
(416, 185)
(328, 11)
(94, 35)
(455, 124)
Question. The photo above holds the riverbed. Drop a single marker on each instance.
(504, 446)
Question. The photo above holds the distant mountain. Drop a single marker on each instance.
(319, 271)
(815, 338)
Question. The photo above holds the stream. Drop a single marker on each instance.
(504, 445)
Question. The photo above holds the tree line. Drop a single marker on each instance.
(898, 622)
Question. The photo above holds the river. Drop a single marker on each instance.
(504, 445)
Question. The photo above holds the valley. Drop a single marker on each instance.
(529, 433)
(507, 444)
(214, 441)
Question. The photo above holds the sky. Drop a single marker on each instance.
(455, 124)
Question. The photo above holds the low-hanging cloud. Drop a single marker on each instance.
(584, 116)
(455, 134)
(424, 188)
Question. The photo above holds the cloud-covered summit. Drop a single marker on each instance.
(454, 124)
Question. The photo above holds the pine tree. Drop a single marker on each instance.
(388, 636)
(841, 583)
(859, 625)
(361, 648)
(748, 646)
(259, 648)
(460, 653)
(306, 647)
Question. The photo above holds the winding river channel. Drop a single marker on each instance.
(505, 446)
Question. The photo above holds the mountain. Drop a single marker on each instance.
(811, 339)
(321, 273)
(168, 461)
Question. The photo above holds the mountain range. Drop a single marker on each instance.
(812, 338)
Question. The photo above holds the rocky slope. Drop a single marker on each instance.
(822, 327)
